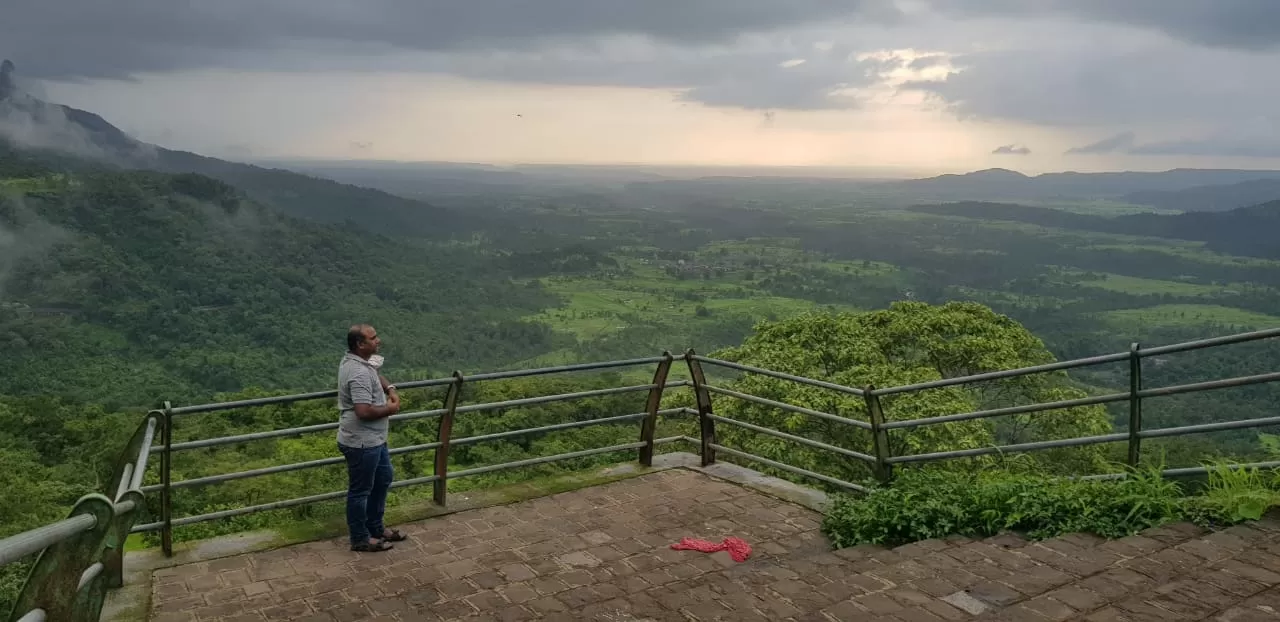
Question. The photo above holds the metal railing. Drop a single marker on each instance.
(81, 556)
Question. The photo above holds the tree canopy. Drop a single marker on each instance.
(910, 342)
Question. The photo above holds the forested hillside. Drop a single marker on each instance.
(1242, 231)
(184, 286)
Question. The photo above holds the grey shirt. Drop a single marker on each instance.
(358, 384)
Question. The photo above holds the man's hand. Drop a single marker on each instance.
(369, 412)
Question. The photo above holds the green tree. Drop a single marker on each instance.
(908, 343)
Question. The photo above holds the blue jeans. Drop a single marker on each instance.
(368, 477)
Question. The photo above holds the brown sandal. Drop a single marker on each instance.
(366, 547)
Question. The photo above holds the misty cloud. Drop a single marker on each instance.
(30, 240)
(35, 124)
(1211, 147)
(1119, 143)
(1011, 150)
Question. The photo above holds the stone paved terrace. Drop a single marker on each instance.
(602, 553)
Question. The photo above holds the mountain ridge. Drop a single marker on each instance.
(31, 124)
(1248, 231)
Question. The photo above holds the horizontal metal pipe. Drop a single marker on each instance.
(1234, 467)
(259, 401)
(144, 454)
(543, 460)
(796, 439)
(1208, 343)
(20, 545)
(122, 508)
(1210, 385)
(89, 574)
(422, 384)
(982, 451)
(1008, 373)
(212, 479)
(520, 373)
(276, 505)
(543, 399)
(244, 438)
(546, 428)
(283, 468)
(279, 505)
(669, 439)
(258, 436)
(777, 374)
(415, 384)
(784, 406)
(414, 482)
(1209, 427)
(1009, 410)
(790, 469)
(35, 615)
(1188, 470)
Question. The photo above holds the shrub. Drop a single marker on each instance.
(1232, 496)
(933, 503)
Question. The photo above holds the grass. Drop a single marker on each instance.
(1099, 207)
(1140, 286)
(1187, 315)
(596, 306)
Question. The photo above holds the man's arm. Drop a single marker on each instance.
(390, 390)
(362, 400)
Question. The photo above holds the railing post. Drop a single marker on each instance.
(706, 425)
(440, 488)
(130, 469)
(55, 584)
(1135, 404)
(879, 436)
(166, 491)
(651, 409)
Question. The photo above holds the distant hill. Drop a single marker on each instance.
(1250, 231)
(54, 132)
(1215, 198)
(186, 285)
(1002, 184)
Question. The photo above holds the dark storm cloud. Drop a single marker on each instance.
(763, 77)
(1244, 24)
(1107, 81)
(1112, 144)
(88, 38)
(1011, 150)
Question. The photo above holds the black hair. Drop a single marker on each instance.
(355, 336)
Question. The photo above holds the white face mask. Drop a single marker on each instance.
(375, 361)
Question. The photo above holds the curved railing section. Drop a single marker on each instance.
(80, 557)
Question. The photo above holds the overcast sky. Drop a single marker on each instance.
(924, 85)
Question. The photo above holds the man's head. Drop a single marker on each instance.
(363, 341)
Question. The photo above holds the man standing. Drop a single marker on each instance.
(365, 400)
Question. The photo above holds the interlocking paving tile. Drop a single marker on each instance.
(603, 553)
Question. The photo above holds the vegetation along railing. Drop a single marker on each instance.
(81, 556)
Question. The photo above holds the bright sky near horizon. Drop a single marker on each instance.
(925, 85)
